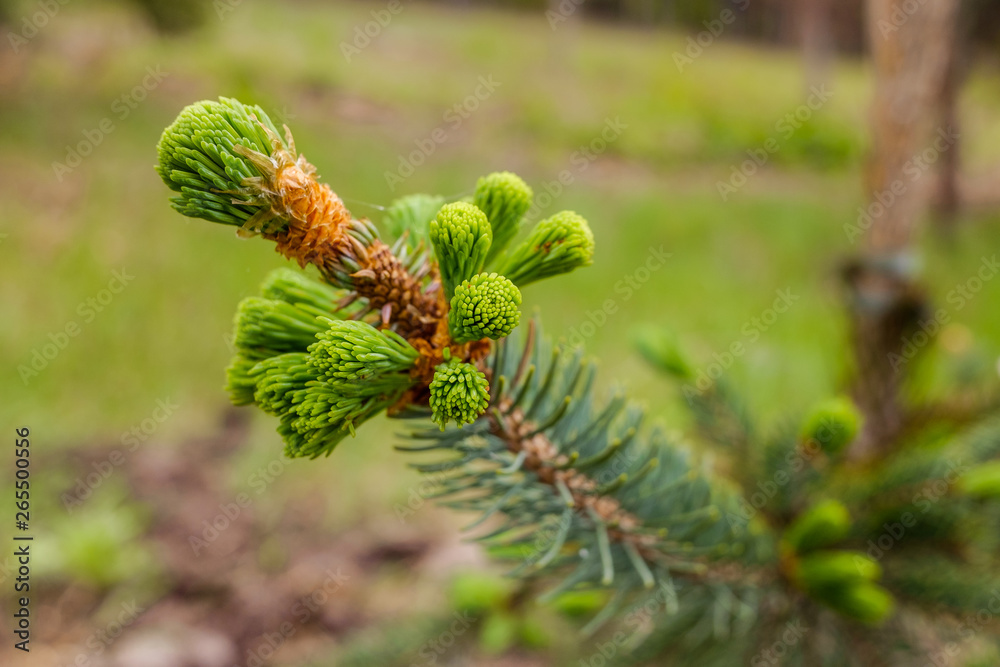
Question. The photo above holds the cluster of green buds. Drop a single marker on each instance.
(303, 360)
(387, 326)
(841, 579)
(469, 239)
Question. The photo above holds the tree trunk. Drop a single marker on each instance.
(910, 52)
(815, 35)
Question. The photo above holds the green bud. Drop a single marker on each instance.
(300, 290)
(198, 157)
(479, 592)
(822, 524)
(826, 571)
(498, 632)
(265, 327)
(351, 372)
(983, 481)
(281, 380)
(484, 307)
(239, 382)
(832, 424)
(461, 237)
(327, 411)
(350, 351)
(459, 392)
(865, 602)
(556, 245)
(412, 213)
(504, 198)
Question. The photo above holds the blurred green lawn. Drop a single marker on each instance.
(165, 335)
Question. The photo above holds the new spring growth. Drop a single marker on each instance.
(982, 481)
(461, 237)
(413, 214)
(280, 380)
(325, 356)
(297, 289)
(484, 307)
(351, 373)
(202, 156)
(845, 581)
(265, 327)
(832, 424)
(459, 393)
(504, 198)
(230, 166)
(556, 245)
(823, 524)
(353, 351)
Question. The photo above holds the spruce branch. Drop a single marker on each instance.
(568, 487)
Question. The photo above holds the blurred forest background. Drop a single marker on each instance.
(117, 311)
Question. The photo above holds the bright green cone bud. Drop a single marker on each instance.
(983, 481)
(504, 198)
(461, 237)
(459, 393)
(300, 290)
(864, 602)
(240, 384)
(825, 572)
(412, 213)
(556, 245)
(822, 524)
(265, 327)
(484, 307)
(832, 424)
(199, 159)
